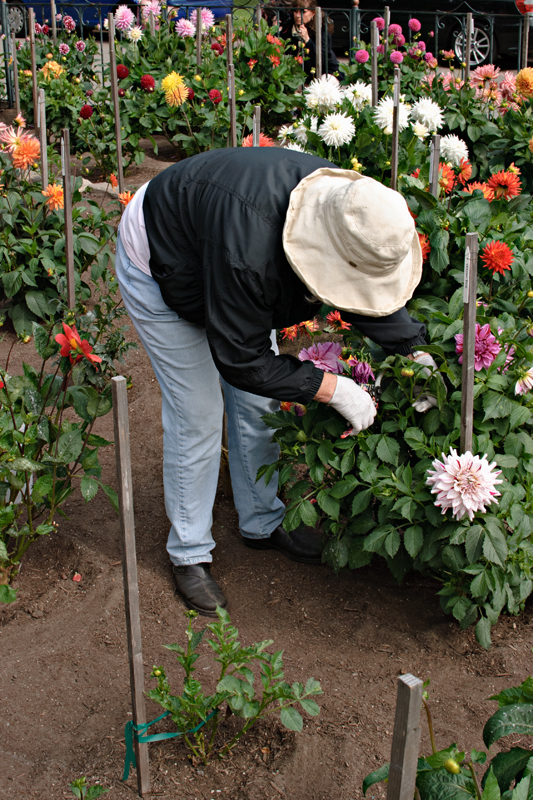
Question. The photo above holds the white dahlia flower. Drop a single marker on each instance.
(384, 111)
(453, 150)
(525, 383)
(294, 146)
(463, 483)
(300, 133)
(284, 132)
(135, 33)
(428, 113)
(323, 94)
(336, 130)
(420, 130)
(359, 94)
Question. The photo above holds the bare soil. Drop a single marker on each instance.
(64, 677)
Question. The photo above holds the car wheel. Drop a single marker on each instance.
(480, 50)
(16, 15)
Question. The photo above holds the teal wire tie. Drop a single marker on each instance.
(138, 733)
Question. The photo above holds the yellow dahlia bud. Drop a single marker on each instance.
(452, 766)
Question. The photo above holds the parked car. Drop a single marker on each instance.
(496, 24)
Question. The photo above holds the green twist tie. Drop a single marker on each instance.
(137, 732)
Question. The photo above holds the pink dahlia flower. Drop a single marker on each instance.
(362, 56)
(207, 17)
(525, 383)
(399, 40)
(151, 7)
(80, 46)
(486, 349)
(380, 48)
(394, 29)
(69, 24)
(396, 57)
(185, 28)
(449, 79)
(64, 49)
(466, 483)
(508, 86)
(380, 22)
(324, 355)
(361, 371)
(488, 72)
(124, 18)
(414, 25)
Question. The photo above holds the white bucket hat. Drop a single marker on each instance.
(352, 241)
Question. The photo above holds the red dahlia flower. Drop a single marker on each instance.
(122, 72)
(336, 323)
(147, 83)
(217, 48)
(86, 111)
(215, 96)
(497, 256)
(191, 95)
(264, 141)
(74, 347)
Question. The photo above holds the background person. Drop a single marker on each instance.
(299, 27)
(213, 255)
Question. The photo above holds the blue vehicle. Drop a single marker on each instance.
(89, 14)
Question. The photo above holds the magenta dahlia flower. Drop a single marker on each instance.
(80, 46)
(362, 56)
(465, 483)
(414, 25)
(64, 49)
(396, 57)
(185, 28)
(380, 22)
(361, 371)
(487, 347)
(324, 355)
(394, 29)
(124, 18)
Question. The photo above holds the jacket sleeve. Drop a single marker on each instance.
(396, 333)
(239, 315)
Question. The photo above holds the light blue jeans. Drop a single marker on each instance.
(192, 425)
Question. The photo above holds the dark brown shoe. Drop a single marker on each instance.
(199, 589)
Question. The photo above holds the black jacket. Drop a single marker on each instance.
(214, 224)
(307, 50)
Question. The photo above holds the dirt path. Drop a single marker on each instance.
(64, 673)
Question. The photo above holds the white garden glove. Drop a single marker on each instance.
(354, 404)
(425, 401)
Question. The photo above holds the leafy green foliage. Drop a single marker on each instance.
(81, 789)
(235, 687)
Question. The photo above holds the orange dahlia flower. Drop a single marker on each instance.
(73, 346)
(488, 193)
(125, 197)
(26, 153)
(425, 245)
(264, 141)
(446, 178)
(465, 171)
(497, 257)
(505, 184)
(309, 325)
(336, 323)
(113, 181)
(524, 82)
(290, 333)
(55, 196)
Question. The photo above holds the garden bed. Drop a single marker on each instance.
(65, 673)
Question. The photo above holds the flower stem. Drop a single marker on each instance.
(430, 726)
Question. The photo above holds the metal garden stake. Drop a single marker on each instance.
(116, 100)
(395, 129)
(405, 739)
(374, 39)
(256, 135)
(15, 72)
(386, 17)
(67, 195)
(434, 165)
(41, 106)
(468, 45)
(469, 341)
(129, 572)
(31, 16)
(318, 44)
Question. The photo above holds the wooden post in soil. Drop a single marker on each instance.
(386, 17)
(116, 100)
(256, 129)
(374, 40)
(525, 40)
(129, 573)
(395, 130)
(434, 157)
(469, 341)
(41, 105)
(318, 44)
(151, 21)
(225, 476)
(53, 21)
(231, 81)
(15, 71)
(468, 45)
(405, 739)
(198, 37)
(69, 237)
(31, 18)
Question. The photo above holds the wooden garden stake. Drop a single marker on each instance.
(318, 45)
(256, 127)
(405, 739)
(386, 17)
(53, 12)
(434, 157)
(31, 14)
(129, 572)
(198, 37)
(469, 341)
(468, 45)
(374, 40)
(395, 130)
(224, 467)
(116, 101)
(15, 71)
(231, 81)
(525, 39)
(69, 238)
(41, 106)
(258, 14)
(152, 23)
